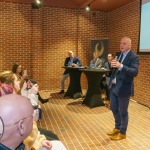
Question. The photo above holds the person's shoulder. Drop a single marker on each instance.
(67, 58)
(106, 63)
(133, 56)
(132, 53)
(76, 57)
(100, 59)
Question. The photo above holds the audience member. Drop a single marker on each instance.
(15, 122)
(72, 61)
(30, 89)
(35, 140)
(96, 62)
(9, 81)
(125, 69)
(17, 69)
(107, 65)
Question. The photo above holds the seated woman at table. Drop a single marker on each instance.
(96, 62)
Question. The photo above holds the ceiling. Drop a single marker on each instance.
(101, 5)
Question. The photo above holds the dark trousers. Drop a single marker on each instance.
(49, 134)
(40, 113)
(107, 92)
(119, 107)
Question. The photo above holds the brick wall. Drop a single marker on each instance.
(15, 37)
(40, 39)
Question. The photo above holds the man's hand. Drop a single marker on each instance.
(24, 87)
(74, 65)
(34, 89)
(115, 63)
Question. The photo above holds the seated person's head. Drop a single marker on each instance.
(16, 68)
(9, 78)
(95, 55)
(70, 54)
(16, 117)
(32, 86)
(110, 57)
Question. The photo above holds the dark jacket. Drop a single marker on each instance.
(124, 78)
(75, 61)
(3, 147)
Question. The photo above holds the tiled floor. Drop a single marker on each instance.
(82, 128)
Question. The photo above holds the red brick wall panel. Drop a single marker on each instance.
(39, 39)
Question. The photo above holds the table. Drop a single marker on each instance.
(93, 96)
(74, 89)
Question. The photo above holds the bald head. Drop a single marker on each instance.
(16, 119)
(125, 44)
(70, 54)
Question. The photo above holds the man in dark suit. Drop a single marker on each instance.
(125, 69)
(71, 61)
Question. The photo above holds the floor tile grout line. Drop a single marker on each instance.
(88, 136)
(70, 127)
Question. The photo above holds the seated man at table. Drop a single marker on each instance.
(96, 62)
(71, 61)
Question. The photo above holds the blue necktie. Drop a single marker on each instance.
(121, 57)
(115, 71)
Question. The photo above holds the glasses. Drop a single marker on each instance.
(18, 121)
(34, 108)
(1, 127)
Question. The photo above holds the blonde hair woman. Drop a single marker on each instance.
(9, 78)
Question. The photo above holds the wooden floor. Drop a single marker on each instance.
(82, 128)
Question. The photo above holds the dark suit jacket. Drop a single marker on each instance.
(108, 67)
(75, 61)
(124, 78)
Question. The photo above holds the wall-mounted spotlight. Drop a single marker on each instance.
(37, 4)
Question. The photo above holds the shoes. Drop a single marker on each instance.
(119, 136)
(107, 102)
(114, 132)
(61, 92)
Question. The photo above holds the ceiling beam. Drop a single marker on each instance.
(85, 3)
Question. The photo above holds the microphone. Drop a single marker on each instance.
(117, 55)
(114, 70)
